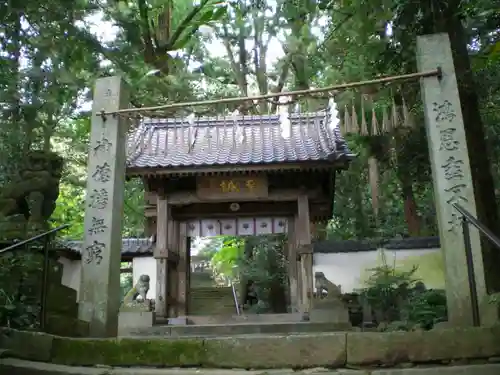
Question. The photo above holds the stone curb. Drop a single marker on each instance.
(22, 367)
(332, 350)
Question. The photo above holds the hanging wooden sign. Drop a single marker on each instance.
(226, 188)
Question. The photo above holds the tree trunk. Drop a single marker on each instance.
(410, 210)
(373, 178)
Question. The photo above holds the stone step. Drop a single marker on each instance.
(14, 366)
(339, 350)
(244, 318)
(204, 296)
(201, 275)
(235, 329)
(224, 310)
(212, 289)
(212, 301)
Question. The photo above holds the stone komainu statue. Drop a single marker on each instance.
(324, 285)
(139, 290)
(30, 199)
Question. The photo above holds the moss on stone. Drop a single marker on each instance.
(128, 352)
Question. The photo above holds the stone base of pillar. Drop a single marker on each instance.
(325, 310)
(128, 320)
(178, 321)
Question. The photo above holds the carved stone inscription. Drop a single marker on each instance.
(98, 200)
(232, 188)
(453, 167)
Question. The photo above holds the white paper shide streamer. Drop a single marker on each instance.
(334, 114)
(285, 124)
(191, 130)
(237, 130)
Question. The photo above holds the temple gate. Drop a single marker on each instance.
(238, 167)
(238, 176)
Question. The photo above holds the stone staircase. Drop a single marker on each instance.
(212, 301)
(201, 280)
(207, 299)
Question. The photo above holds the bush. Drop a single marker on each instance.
(20, 281)
(386, 290)
(427, 308)
(396, 296)
(265, 265)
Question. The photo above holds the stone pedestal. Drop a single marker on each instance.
(179, 321)
(135, 319)
(329, 310)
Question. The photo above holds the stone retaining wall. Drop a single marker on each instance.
(334, 350)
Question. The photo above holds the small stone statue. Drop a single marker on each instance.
(140, 289)
(324, 285)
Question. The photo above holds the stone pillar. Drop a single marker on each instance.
(451, 177)
(305, 253)
(183, 270)
(161, 255)
(99, 302)
(292, 266)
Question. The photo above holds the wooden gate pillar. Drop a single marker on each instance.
(183, 270)
(292, 266)
(163, 219)
(173, 263)
(305, 254)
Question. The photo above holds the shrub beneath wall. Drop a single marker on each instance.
(426, 308)
(401, 302)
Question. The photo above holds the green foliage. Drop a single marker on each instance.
(426, 308)
(386, 289)
(259, 259)
(126, 283)
(225, 259)
(266, 267)
(19, 289)
(397, 296)
(323, 43)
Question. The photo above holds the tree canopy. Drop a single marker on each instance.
(173, 51)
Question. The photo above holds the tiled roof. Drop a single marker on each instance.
(213, 141)
(130, 246)
(145, 246)
(353, 246)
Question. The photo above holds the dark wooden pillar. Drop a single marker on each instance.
(173, 262)
(293, 281)
(305, 254)
(182, 270)
(161, 254)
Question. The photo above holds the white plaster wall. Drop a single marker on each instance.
(349, 270)
(145, 266)
(346, 269)
(72, 270)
